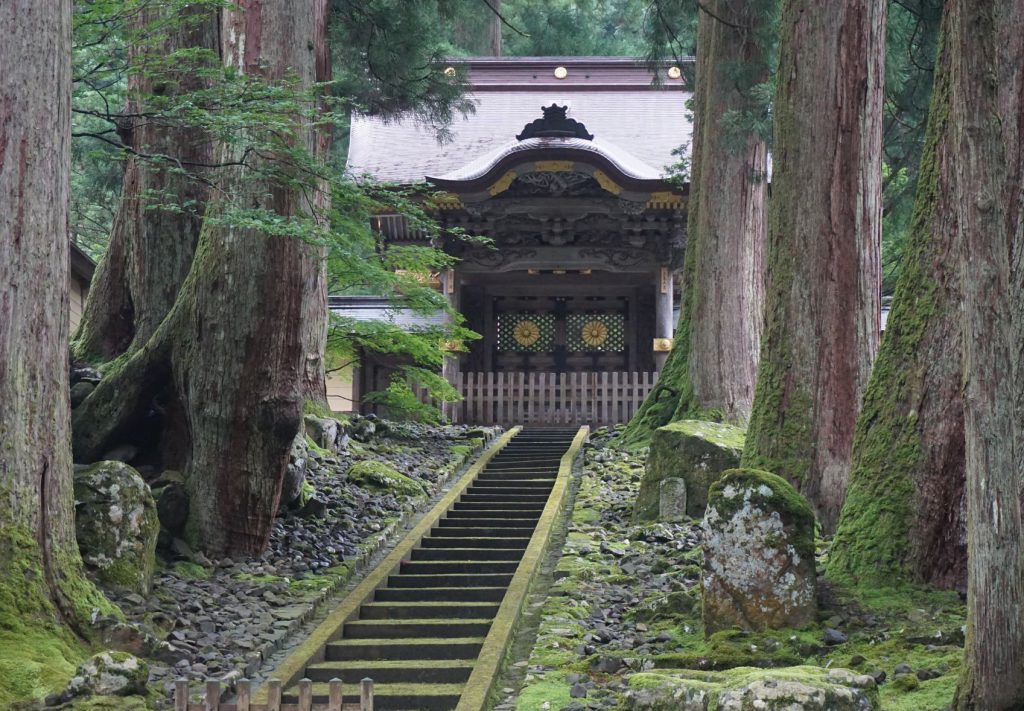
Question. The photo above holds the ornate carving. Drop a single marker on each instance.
(562, 184)
(631, 207)
(617, 257)
(495, 258)
(555, 124)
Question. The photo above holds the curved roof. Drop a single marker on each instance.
(519, 151)
(636, 125)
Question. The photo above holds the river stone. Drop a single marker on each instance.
(109, 674)
(117, 525)
(759, 568)
(672, 500)
(692, 450)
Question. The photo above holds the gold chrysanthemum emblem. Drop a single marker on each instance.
(594, 333)
(526, 333)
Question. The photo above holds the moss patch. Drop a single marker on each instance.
(695, 451)
(378, 476)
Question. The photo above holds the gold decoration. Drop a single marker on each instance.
(607, 183)
(554, 166)
(561, 72)
(501, 185)
(675, 73)
(449, 71)
(662, 345)
(526, 333)
(665, 200)
(594, 333)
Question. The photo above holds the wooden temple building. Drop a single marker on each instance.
(565, 165)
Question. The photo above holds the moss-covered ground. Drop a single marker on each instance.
(626, 601)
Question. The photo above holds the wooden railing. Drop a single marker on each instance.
(243, 692)
(507, 398)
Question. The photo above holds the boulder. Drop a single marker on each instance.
(172, 501)
(80, 391)
(326, 432)
(379, 476)
(109, 674)
(117, 525)
(692, 450)
(805, 688)
(759, 570)
(295, 474)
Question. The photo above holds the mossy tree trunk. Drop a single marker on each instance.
(40, 568)
(712, 368)
(823, 274)
(151, 247)
(986, 39)
(233, 351)
(903, 519)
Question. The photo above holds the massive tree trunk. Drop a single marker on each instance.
(986, 39)
(234, 346)
(822, 300)
(712, 368)
(903, 519)
(164, 195)
(40, 569)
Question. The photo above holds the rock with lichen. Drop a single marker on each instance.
(379, 476)
(806, 688)
(109, 674)
(759, 570)
(692, 450)
(116, 524)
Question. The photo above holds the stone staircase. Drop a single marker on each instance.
(419, 638)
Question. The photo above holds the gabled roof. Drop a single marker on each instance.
(637, 123)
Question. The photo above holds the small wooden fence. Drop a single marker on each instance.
(243, 691)
(507, 398)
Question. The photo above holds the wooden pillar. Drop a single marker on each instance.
(663, 325)
(450, 287)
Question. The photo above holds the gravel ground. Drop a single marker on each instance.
(222, 619)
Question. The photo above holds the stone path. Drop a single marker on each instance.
(419, 637)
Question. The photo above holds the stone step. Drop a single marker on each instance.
(401, 629)
(480, 531)
(520, 474)
(392, 697)
(450, 580)
(520, 492)
(497, 484)
(425, 610)
(460, 521)
(490, 522)
(503, 514)
(403, 649)
(430, 567)
(476, 542)
(495, 594)
(499, 506)
(500, 498)
(398, 671)
(467, 554)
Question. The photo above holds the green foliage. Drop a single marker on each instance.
(912, 37)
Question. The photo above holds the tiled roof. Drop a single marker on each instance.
(381, 308)
(613, 97)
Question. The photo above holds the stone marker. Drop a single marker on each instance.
(759, 570)
(696, 452)
(672, 500)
